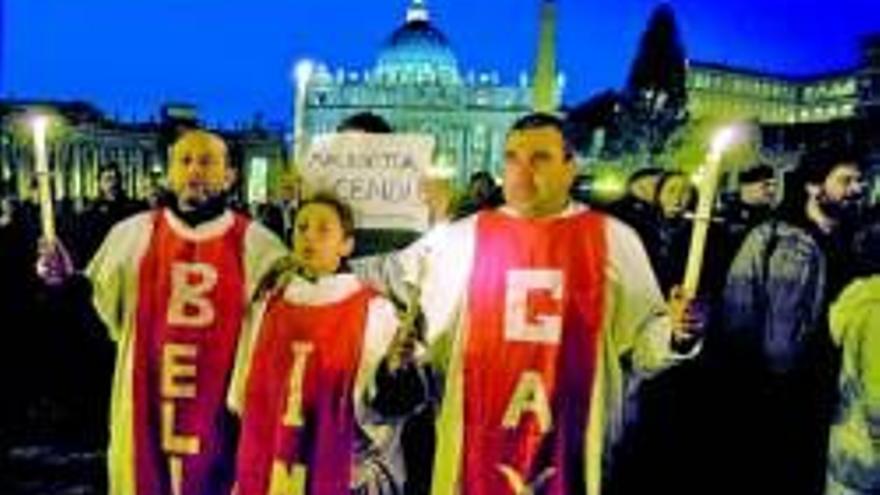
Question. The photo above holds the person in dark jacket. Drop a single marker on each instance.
(100, 215)
(782, 366)
(752, 203)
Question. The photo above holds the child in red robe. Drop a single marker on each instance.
(321, 337)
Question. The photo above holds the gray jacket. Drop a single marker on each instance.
(774, 294)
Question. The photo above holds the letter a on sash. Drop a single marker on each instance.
(529, 395)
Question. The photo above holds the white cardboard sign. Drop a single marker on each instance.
(377, 174)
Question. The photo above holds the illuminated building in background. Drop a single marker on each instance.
(794, 113)
(869, 80)
(84, 139)
(417, 85)
(715, 89)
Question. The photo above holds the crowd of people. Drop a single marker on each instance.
(527, 343)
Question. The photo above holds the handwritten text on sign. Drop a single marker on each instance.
(377, 174)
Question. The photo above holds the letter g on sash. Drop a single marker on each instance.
(189, 305)
(533, 305)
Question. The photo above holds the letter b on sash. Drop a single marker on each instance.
(533, 306)
(189, 305)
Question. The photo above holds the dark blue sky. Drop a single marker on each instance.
(232, 57)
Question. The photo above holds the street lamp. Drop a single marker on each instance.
(302, 73)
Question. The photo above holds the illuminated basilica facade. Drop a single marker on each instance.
(417, 85)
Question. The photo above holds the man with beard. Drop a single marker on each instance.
(172, 285)
(782, 365)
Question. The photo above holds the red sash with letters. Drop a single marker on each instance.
(191, 298)
(536, 306)
(298, 421)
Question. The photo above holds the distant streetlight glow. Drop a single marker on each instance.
(302, 73)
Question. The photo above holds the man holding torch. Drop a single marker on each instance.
(538, 314)
(172, 285)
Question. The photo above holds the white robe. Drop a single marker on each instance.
(636, 329)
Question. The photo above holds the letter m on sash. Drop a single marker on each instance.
(533, 306)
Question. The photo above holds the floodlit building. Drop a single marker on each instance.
(417, 85)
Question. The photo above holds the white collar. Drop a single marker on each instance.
(203, 231)
(571, 209)
(326, 290)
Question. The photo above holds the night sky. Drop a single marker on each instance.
(232, 58)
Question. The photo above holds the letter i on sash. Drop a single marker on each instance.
(292, 481)
(293, 413)
(175, 469)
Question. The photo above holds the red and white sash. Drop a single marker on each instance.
(535, 307)
(189, 314)
(298, 421)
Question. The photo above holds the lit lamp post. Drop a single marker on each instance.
(302, 73)
(40, 127)
(707, 188)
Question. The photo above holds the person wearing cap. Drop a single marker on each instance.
(637, 207)
(752, 202)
